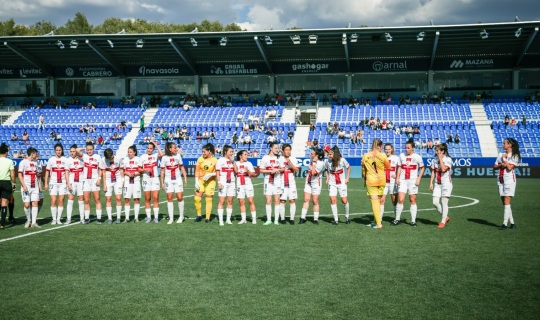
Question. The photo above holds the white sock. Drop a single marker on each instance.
(507, 213)
(127, 209)
(148, 213)
(220, 215)
(282, 211)
(437, 205)
(243, 216)
(268, 212)
(86, 214)
(53, 214)
(315, 216)
(81, 209)
(253, 216)
(59, 213)
(156, 213)
(98, 214)
(109, 212)
(293, 211)
(277, 210)
(229, 214)
(136, 208)
(118, 212)
(170, 210)
(34, 214)
(181, 209)
(399, 210)
(414, 209)
(303, 214)
(346, 207)
(69, 209)
(444, 209)
(334, 211)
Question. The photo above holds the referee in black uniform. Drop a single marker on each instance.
(7, 181)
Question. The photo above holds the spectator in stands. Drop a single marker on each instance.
(513, 122)
(15, 154)
(141, 124)
(115, 136)
(14, 137)
(429, 145)
(53, 134)
(354, 138)
(81, 129)
(122, 124)
(311, 126)
(247, 140)
(147, 138)
(205, 135)
(100, 140)
(165, 135)
(360, 136)
(384, 125)
(290, 134)
(309, 144)
(335, 128)
(341, 133)
(271, 139)
(268, 131)
(119, 135)
(390, 125)
(89, 140)
(234, 139)
(110, 104)
(416, 130)
(436, 142)
(41, 122)
(211, 135)
(506, 120)
(524, 121)
(239, 117)
(457, 139)
(329, 128)
(316, 143)
(25, 136)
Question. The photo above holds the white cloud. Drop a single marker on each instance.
(153, 7)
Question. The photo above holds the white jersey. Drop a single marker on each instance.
(30, 173)
(336, 175)
(112, 169)
(289, 178)
(149, 162)
(91, 166)
(410, 164)
(172, 165)
(315, 179)
(226, 171)
(131, 166)
(273, 163)
(242, 176)
(75, 167)
(57, 169)
(442, 177)
(391, 173)
(506, 176)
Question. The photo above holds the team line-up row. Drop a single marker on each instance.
(80, 177)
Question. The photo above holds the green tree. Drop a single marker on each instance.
(79, 25)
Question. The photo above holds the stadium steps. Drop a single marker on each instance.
(488, 144)
(288, 115)
(299, 141)
(13, 116)
(130, 138)
(324, 113)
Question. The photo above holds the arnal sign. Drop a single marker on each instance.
(390, 66)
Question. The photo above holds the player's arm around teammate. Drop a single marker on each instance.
(171, 167)
(337, 178)
(244, 187)
(312, 188)
(151, 187)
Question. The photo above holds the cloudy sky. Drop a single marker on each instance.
(277, 14)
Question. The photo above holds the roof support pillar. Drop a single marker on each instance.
(47, 70)
(263, 54)
(106, 57)
(183, 55)
(526, 47)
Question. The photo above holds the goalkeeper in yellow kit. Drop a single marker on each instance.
(205, 181)
(374, 164)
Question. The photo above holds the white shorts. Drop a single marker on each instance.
(227, 190)
(151, 184)
(272, 189)
(390, 188)
(408, 186)
(132, 190)
(30, 196)
(116, 187)
(89, 185)
(507, 189)
(174, 186)
(442, 190)
(333, 190)
(245, 191)
(57, 189)
(313, 189)
(76, 189)
(289, 193)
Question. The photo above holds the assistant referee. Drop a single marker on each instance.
(7, 181)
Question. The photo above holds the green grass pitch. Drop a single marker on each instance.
(469, 270)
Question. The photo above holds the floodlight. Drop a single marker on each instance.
(223, 41)
(388, 36)
(484, 34)
(193, 42)
(49, 34)
(123, 31)
(140, 43)
(196, 30)
(295, 39)
(517, 19)
(354, 37)
(73, 44)
(60, 44)
(344, 39)
(110, 43)
(268, 40)
(420, 36)
(518, 33)
(313, 39)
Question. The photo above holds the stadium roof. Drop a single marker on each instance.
(515, 42)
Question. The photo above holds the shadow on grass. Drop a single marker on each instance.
(482, 221)
(426, 221)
